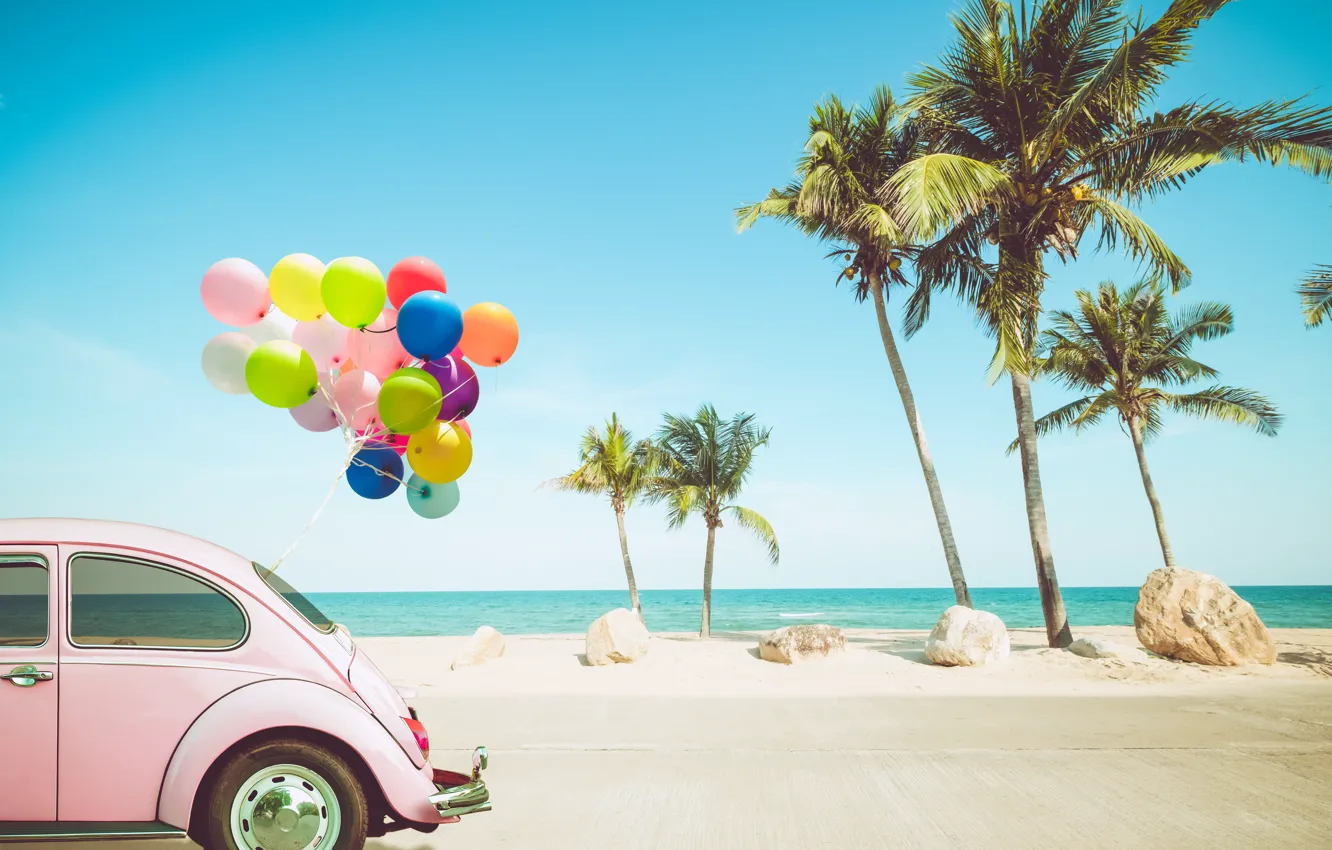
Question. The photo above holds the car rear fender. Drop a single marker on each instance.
(288, 704)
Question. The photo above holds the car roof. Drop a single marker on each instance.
(124, 535)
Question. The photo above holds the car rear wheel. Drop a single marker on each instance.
(286, 795)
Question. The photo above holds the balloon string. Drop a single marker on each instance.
(314, 518)
(386, 330)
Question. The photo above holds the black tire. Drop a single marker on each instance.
(216, 831)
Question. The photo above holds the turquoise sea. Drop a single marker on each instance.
(539, 612)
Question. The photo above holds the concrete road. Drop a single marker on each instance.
(902, 772)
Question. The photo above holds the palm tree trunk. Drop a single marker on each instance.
(1052, 602)
(1135, 430)
(706, 630)
(960, 590)
(628, 567)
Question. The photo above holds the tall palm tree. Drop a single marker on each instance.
(1041, 128)
(1127, 353)
(703, 463)
(611, 464)
(1316, 295)
(849, 157)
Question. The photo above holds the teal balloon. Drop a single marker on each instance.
(432, 501)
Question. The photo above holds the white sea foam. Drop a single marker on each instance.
(801, 616)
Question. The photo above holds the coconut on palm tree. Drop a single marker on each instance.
(1130, 356)
(702, 466)
(612, 464)
(1042, 127)
(848, 159)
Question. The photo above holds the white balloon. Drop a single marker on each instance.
(274, 326)
(224, 361)
(315, 414)
(325, 340)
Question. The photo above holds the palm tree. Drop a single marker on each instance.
(702, 466)
(1127, 353)
(1316, 295)
(1040, 129)
(611, 464)
(849, 157)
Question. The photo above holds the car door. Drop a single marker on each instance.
(148, 645)
(29, 684)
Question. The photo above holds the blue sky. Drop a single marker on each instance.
(579, 163)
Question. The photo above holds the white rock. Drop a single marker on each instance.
(484, 645)
(1101, 648)
(800, 643)
(965, 637)
(616, 638)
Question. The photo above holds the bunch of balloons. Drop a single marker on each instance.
(383, 360)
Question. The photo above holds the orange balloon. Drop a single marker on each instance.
(490, 334)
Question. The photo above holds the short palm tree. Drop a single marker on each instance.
(702, 465)
(1041, 128)
(1316, 295)
(1127, 353)
(611, 464)
(849, 157)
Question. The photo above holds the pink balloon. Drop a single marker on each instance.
(462, 423)
(380, 354)
(325, 340)
(315, 415)
(356, 395)
(235, 292)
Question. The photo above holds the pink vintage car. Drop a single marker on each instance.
(152, 684)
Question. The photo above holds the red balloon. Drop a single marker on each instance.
(413, 275)
(462, 423)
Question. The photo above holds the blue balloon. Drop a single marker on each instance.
(429, 325)
(370, 471)
(432, 501)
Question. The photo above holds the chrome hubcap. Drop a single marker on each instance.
(285, 807)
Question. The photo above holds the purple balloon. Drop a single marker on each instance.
(458, 381)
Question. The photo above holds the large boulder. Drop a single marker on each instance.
(792, 644)
(965, 637)
(484, 645)
(1195, 617)
(616, 638)
(1101, 648)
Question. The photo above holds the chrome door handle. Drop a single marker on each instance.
(25, 676)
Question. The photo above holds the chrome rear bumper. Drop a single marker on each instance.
(459, 795)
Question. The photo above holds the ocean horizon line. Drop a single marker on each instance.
(409, 613)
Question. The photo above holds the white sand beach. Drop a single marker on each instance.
(875, 663)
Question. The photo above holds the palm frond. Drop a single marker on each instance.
(1230, 404)
(937, 189)
(1119, 224)
(753, 521)
(1316, 296)
(1057, 420)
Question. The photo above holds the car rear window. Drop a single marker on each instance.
(296, 600)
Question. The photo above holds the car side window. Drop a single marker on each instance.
(122, 602)
(24, 601)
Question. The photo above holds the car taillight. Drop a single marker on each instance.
(419, 733)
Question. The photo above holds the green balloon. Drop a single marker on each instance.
(353, 291)
(280, 373)
(409, 400)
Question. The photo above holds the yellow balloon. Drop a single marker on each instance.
(440, 453)
(294, 285)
